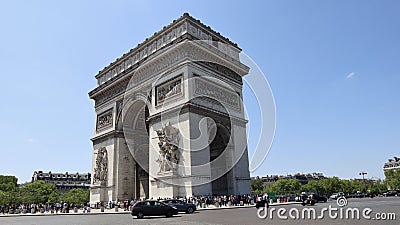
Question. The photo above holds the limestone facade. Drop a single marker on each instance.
(170, 119)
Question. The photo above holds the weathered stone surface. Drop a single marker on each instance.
(170, 119)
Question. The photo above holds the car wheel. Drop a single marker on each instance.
(190, 210)
(140, 215)
(169, 214)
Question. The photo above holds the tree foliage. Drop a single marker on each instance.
(8, 179)
(76, 196)
(378, 188)
(8, 183)
(257, 186)
(392, 179)
(283, 186)
(37, 192)
(330, 185)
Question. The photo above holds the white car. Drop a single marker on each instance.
(336, 195)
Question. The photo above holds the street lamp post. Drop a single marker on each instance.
(362, 173)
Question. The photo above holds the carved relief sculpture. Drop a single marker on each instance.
(169, 89)
(105, 120)
(203, 88)
(168, 143)
(101, 170)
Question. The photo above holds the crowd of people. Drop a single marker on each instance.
(203, 201)
(220, 200)
(59, 207)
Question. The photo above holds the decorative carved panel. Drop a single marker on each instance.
(170, 155)
(169, 89)
(104, 120)
(101, 169)
(204, 88)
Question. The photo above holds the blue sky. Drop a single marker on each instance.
(333, 67)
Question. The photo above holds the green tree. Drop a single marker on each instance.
(3, 198)
(256, 186)
(37, 192)
(392, 179)
(358, 185)
(8, 179)
(8, 183)
(283, 186)
(378, 187)
(330, 185)
(77, 196)
(53, 198)
(8, 189)
(346, 187)
(313, 186)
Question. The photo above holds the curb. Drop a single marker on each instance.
(65, 214)
(128, 212)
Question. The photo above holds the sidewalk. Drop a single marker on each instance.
(212, 207)
(121, 211)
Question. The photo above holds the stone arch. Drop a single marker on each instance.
(219, 165)
(132, 124)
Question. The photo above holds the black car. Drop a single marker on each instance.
(153, 208)
(181, 205)
(318, 198)
(390, 193)
(262, 203)
(358, 195)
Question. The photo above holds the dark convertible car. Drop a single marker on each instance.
(181, 205)
(153, 208)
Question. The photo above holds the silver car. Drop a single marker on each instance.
(181, 205)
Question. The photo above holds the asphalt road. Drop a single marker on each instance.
(380, 207)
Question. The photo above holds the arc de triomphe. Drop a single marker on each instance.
(170, 119)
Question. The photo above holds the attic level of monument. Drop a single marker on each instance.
(186, 23)
(186, 27)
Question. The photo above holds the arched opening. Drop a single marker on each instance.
(219, 165)
(135, 129)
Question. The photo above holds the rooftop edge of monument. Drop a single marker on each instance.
(164, 30)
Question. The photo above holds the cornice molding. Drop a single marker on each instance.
(186, 51)
(198, 28)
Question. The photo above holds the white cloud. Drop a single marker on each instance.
(350, 75)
